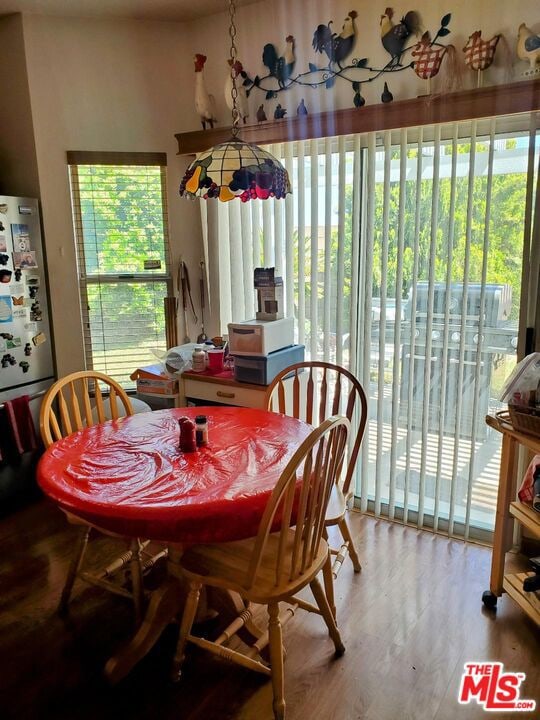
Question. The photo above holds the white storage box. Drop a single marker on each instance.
(256, 337)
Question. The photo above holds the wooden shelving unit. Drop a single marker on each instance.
(518, 97)
(509, 510)
(529, 602)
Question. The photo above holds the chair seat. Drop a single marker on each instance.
(337, 507)
(226, 565)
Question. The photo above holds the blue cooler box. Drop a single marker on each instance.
(262, 370)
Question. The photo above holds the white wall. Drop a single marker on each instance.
(18, 160)
(103, 85)
(270, 22)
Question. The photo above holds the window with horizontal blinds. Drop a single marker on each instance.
(120, 222)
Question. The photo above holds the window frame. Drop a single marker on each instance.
(75, 159)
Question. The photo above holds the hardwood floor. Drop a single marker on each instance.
(409, 621)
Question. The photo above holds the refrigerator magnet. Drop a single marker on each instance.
(3, 258)
(13, 342)
(39, 339)
(3, 244)
(36, 313)
(3, 208)
(6, 309)
(31, 327)
(19, 313)
(18, 273)
(27, 349)
(32, 280)
(24, 365)
(24, 260)
(20, 236)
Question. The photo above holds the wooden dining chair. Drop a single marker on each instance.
(276, 564)
(312, 391)
(72, 403)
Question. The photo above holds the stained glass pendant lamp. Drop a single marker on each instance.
(235, 169)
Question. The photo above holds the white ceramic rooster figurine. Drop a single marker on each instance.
(204, 102)
(241, 100)
(528, 45)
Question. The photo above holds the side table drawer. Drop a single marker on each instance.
(226, 394)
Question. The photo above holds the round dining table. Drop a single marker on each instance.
(129, 477)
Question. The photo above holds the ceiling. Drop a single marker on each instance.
(171, 10)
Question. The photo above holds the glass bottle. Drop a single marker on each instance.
(198, 359)
(201, 430)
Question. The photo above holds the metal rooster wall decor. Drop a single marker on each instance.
(336, 48)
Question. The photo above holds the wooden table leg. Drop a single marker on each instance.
(503, 524)
(165, 605)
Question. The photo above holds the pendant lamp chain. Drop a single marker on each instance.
(233, 56)
(235, 168)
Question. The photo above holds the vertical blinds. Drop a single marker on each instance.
(120, 223)
(401, 254)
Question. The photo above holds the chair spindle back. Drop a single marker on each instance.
(313, 391)
(300, 498)
(75, 411)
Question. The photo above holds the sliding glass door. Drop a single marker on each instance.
(402, 255)
(441, 260)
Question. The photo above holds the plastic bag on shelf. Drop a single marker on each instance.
(176, 360)
(522, 388)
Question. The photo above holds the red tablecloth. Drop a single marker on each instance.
(128, 476)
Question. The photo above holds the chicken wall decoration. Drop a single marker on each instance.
(480, 53)
(394, 35)
(398, 38)
(204, 102)
(428, 58)
(279, 66)
(337, 47)
(528, 47)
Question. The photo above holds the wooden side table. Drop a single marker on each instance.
(510, 510)
(221, 388)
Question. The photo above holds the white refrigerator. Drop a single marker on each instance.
(26, 356)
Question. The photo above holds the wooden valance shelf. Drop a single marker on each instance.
(427, 110)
